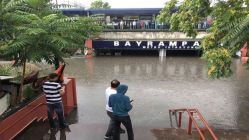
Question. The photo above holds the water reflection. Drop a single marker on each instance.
(241, 94)
(171, 82)
(156, 85)
(56, 134)
(42, 130)
(149, 67)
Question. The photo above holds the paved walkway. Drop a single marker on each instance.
(92, 131)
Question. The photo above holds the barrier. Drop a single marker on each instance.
(191, 121)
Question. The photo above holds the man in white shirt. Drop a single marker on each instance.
(109, 91)
(121, 23)
(134, 24)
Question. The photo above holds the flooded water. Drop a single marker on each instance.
(156, 85)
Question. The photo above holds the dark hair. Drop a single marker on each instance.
(115, 83)
(53, 75)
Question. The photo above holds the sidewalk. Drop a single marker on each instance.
(85, 131)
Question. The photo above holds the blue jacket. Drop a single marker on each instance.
(119, 102)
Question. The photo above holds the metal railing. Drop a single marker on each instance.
(144, 30)
(191, 121)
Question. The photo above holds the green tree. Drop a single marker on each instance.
(99, 4)
(8, 19)
(43, 33)
(225, 36)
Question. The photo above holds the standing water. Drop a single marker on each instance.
(156, 85)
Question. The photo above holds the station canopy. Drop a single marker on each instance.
(114, 11)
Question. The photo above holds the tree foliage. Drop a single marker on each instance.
(33, 31)
(229, 29)
(186, 16)
(99, 4)
(42, 33)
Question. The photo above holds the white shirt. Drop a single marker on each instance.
(108, 92)
(134, 23)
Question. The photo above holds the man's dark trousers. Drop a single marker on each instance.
(109, 131)
(58, 108)
(126, 121)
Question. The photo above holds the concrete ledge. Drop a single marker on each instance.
(149, 35)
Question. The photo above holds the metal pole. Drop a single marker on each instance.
(190, 124)
(180, 120)
(203, 132)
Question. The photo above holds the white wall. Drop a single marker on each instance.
(4, 103)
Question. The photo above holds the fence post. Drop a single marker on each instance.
(180, 120)
(190, 124)
(203, 132)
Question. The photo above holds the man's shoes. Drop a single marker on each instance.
(121, 130)
(108, 137)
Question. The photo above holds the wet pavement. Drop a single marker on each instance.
(156, 85)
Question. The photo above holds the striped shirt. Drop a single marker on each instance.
(52, 92)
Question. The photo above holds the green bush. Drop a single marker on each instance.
(218, 62)
(6, 70)
(29, 92)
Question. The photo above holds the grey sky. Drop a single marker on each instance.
(119, 3)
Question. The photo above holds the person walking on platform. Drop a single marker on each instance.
(53, 91)
(110, 91)
(121, 105)
(134, 24)
(121, 23)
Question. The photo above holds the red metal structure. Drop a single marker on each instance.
(192, 120)
(59, 71)
(244, 50)
(36, 111)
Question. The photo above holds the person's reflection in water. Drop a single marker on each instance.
(63, 136)
(52, 134)
(63, 133)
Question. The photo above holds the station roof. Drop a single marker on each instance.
(113, 11)
(74, 12)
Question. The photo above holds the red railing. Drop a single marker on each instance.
(18, 124)
(191, 121)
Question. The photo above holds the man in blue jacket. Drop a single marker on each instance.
(121, 105)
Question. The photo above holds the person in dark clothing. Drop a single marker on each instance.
(109, 91)
(121, 105)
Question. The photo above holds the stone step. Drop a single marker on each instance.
(173, 134)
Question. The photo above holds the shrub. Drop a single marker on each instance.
(218, 62)
(6, 70)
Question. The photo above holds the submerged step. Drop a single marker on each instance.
(173, 134)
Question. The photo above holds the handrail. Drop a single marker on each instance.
(192, 120)
(144, 30)
(206, 124)
(196, 125)
(9, 126)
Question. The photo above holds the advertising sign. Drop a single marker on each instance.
(149, 45)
